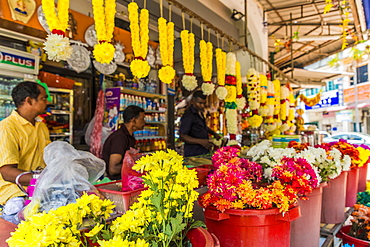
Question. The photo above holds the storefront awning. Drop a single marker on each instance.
(312, 78)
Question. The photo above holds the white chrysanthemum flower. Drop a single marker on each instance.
(208, 88)
(189, 82)
(267, 173)
(221, 93)
(57, 47)
(346, 163)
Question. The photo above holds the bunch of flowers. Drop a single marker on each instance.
(61, 227)
(240, 100)
(57, 44)
(139, 39)
(364, 154)
(241, 184)
(346, 149)
(163, 213)
(206, 57)
(360, 227)
(166, 40)
(104, 12)
(189, 80)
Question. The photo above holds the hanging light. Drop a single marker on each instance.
(236, 15)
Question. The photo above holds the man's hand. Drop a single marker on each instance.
(217, 136)
(206, 143)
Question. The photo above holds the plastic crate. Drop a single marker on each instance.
(202, 174)
(53, 80)
(122, 200)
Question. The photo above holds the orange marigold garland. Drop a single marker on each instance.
(310, 101)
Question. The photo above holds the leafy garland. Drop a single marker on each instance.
(221, 91)
(166, 40)
(206, 56)
(240, 100)
(189, 80)
(139, 40)
(57, 45)
(104, 12)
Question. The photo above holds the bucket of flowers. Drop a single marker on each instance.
(358, 233)
(161, 217)
(252, 204)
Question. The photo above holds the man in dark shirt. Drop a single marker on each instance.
(193, 129)
(120, 141)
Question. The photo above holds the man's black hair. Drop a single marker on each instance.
(199, 94)
(23, 90)
(131, 111)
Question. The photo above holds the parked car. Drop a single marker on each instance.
(351, 137)
(324, 134)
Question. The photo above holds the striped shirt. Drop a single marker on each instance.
(20, 143)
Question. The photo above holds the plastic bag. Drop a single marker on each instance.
(105, 132)
(68, 174)
(131, 179)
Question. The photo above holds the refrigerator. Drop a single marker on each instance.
(15, 66)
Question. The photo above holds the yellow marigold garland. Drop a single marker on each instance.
(253, 87)
(104, 12)
(57, 45)
(328, 6)
(166, 40)
(139, 40)
(221, 91)
(284, 102)
(206, 57)
(263, 110)
(189, 80)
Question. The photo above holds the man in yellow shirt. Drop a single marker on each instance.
(22, 143)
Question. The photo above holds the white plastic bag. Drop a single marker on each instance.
(68, 174)
(105, 132)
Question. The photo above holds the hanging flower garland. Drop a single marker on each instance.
(284, 107)
(263, 110)
(104, 12)
(345, 11)
(240, 100)
(328, 6)
(253, 89)
(230, 105)
(139, 40)
(166, 40)
(189, 80)
(269, 123)
(206, 57)
(277, 87)
(221, 91)
(291, 111)
(310, 101)
(57, 44)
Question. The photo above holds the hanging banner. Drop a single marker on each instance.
(330, 98)
(112, 98)
(363, 92)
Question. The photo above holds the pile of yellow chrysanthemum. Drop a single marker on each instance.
(163, 213)
(61, 227)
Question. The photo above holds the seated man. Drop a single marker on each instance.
(22, 142)
(120, 141)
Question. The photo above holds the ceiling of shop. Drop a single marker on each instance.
(319, 34)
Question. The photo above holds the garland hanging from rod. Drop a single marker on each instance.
(104, 12)
(57, 44)
(166, 41)
(206, 56)
(310, 101)
(221, 91)
(189, 80)
(139, 39)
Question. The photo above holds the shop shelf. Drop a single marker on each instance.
(153, 122)
(60, 134)
(149, 137)
(60, 112)
(142, 93)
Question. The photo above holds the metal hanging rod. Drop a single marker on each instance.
(231, 39)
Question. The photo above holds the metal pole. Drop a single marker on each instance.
(356, 98)
(291, 45)
(246, 22)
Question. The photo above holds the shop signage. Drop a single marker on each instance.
(363, 92)
(330, 98)
(14, 60)
(344, 116)
(112, 97)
